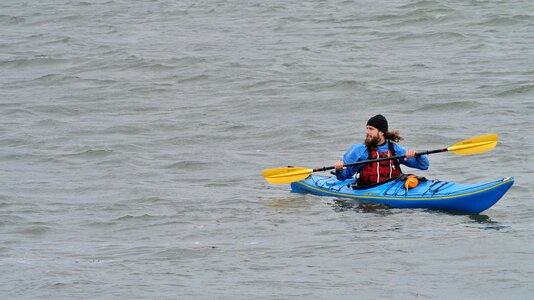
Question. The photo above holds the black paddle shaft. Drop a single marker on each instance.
(381, 159)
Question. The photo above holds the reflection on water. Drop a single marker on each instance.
(483, 220)
(342, 205)
(293, 202)
(480, 221)
(486, 222)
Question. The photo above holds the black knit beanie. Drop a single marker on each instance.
(379, 122)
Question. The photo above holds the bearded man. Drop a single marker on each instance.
(379, 142)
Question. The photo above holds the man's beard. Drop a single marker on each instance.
(372, 143)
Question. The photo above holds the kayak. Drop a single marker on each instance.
(431, 194)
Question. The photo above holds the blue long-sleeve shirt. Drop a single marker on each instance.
(358, 152)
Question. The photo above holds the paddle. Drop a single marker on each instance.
(473, 145)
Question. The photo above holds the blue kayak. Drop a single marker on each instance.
(433, 194)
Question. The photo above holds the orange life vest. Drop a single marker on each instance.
(381, 171)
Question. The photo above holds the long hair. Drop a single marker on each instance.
(393, 136)
(389, 135)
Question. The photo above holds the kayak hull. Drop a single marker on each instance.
(431, 194)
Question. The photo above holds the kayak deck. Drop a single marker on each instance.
(433, 194)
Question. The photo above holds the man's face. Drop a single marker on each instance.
(374, 135)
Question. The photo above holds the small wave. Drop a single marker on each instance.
(338, 85)
(52, 78)
(261, 85)
(35, 229)
(187, 165)
(453, 106)
(144, 217)
(14, 142)
(192, 79)
(56, 78)
(423, 4)
(432, 36)
(522, 89)
(102, 224)
(126, 130)
(419, 13)
(505, 20)
(57, 19)
(11, 20)
(237, 127)
(9, 219)
(148, 90)
(36, 61)
(18, 112)
(54, 110)
(154, 66)
(92, 153)
(59, 40)
(141, 63)
(149, 200)
(50, 123)
(178, 252)
(447, 35)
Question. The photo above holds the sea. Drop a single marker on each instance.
(133, 135)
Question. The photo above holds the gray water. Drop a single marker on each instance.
(133, 135)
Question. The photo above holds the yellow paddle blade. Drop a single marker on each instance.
(475, 145)
(285, 175)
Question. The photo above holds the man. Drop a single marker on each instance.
(379, 142)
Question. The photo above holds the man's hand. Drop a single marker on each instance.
(339, 166)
